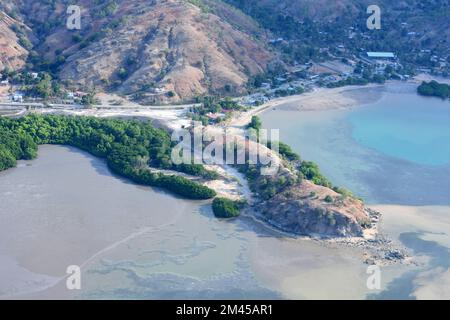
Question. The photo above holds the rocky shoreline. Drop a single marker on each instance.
(377, 248)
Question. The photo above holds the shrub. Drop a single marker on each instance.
(225, 208)
(122, 73)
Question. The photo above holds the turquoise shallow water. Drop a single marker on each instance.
(407, 127)
(395, 150)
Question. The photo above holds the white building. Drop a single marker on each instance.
(380, 60)
(381, 55)
(160, 90)
(17, 97)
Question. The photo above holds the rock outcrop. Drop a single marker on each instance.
(308, 209)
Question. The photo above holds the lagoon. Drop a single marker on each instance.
(395, 150)
(66, 208)
(405, 126)
(132, 242)
(392, 150)
(135, 242)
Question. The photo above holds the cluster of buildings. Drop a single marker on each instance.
(310, 74)
(380, 61)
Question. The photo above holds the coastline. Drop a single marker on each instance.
(318, 99)
(409, 227)
(301, 267)
(324, 99)
(231, 184)
(283, 263)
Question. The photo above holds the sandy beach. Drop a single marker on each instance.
(318, 99)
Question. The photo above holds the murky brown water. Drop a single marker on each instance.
(65, 208)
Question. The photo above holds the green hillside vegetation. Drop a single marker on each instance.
(305, 27)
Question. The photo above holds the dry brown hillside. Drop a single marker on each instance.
(160, 50)
(12, 54)
(174, 50)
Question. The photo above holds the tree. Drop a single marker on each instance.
(225, 208)
(44, 87)
(255, 123)
(7, 160)
(122, 73)
(88, 99)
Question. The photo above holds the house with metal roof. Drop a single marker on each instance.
(381, 55)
